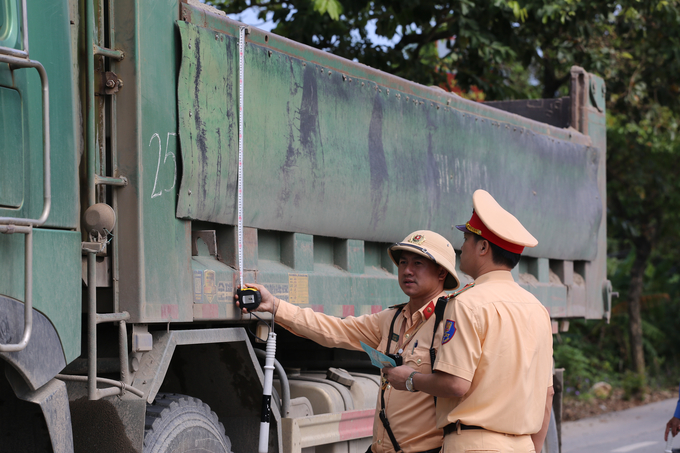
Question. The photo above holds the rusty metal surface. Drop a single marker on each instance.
(108, 84)
(329, 152)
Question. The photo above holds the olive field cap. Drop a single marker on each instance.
(490, 221)
(432, 246)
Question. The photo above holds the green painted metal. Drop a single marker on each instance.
(10, 24)
(109, 53)
(331, 153)
(336, 150)
(155, 274)
(49, 30)
(56, 280)
(335, 276)
(206, 101)
(56, 254)
(11, 149)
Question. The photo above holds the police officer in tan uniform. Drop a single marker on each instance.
(404, 421)
(494, 366)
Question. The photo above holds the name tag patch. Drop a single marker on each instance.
(449, 331)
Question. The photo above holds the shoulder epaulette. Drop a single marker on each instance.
(399, 305)
(463, 289)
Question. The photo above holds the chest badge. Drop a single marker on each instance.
(449, 331)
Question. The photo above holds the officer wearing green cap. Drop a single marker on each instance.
(426, 262)
(494, 367)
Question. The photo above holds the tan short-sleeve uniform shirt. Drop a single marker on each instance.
(497, 336)
(411, 415)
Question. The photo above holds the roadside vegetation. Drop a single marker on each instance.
(594, 351)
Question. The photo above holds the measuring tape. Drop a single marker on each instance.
(249, 298)
(241, 63)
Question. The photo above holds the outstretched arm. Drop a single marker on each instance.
(328, 331)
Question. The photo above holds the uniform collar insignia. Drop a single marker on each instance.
(463, 289)
(428, 310)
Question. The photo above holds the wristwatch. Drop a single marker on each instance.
(409, 382)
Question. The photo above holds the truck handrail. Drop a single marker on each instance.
(9, 225)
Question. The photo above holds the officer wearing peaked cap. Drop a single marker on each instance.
(426, 262)
(494, 366)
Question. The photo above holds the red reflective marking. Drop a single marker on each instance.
(169, 311)
(317, 308)
(347, 310)
(376, 308)
(356, 424)
(209, 311)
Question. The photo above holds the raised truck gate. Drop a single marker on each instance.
(129, 166)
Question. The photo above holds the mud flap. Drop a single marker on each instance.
(53, 401)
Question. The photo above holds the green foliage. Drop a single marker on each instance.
(478, 36)
(633, 384)
(587, 356)
(332, 7)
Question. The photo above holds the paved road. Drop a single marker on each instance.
(637, 430)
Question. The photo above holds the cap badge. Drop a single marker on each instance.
(473, 229)
(417, 239)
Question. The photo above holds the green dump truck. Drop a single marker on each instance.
(119, 145)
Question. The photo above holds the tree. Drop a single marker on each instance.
(634, 47)
(643, 144)
(479, 37)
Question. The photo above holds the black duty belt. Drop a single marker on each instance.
(434, 450)
(453, 427)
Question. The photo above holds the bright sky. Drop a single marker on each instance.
(249, 17)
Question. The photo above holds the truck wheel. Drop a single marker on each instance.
(182, 424)
(551, 443)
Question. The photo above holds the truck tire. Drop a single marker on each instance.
(182, 424)
(551, 444)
